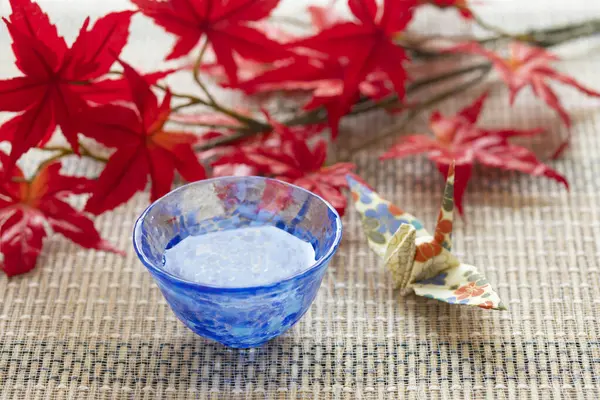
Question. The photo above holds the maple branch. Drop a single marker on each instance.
(543, 37)
(204, 125)
(415, 110)
(223, 140)
(85, 152)
(191, 98)
(488, 27)
(65, 152)
(250, 122)
(17, 179)
(196, 73)
(546, 37)
(320, 115)
(416, 86)
(190, 103)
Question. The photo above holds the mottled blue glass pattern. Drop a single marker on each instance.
(238, 316)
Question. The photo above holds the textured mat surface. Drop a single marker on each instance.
(87, 324)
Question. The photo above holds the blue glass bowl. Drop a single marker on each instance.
(238, 316)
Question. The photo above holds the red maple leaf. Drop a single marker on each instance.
(246, 68)
(367, 44)
(143, 147)
(31, 209)
(362, 47)
(324, 77)
(285, 155)
(458, 139)
(327, 182)
(224, 23)
(321, 17)
(108, 90)
(460, 5)
(56, 79)
(528, 65)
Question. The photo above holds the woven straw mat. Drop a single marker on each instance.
(87, 324)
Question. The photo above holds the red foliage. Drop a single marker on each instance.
(285, 155)
(57, 79)
(528, 66)
(323, 77)
(458, 139)
(340, 62)
(143, 147)
(366, 45)
(30, 210)
(224, 24)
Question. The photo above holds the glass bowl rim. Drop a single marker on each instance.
(155, 269)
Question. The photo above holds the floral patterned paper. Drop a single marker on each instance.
(418, 261)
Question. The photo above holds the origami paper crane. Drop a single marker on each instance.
(418, 261)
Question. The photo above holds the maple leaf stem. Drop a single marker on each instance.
(250, 122)
(17, 179)
(220, 141)
(65, 152)
(545, 38)
(419, 84)
(556, 36)
(320, 115)
(488, 27)
(313, 116)
(85, 151)
(202, 125)
(196, 73)
(542, 37)
(192, 99)
(416, 86)
(190, 103)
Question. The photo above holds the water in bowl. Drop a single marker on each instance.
(242, 257)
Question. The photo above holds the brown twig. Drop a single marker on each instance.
(65, 152)
(545, 37)
(320, 115)
(415, 110)
(196, 74)
(250, 122)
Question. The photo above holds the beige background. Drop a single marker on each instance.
(88, 324)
